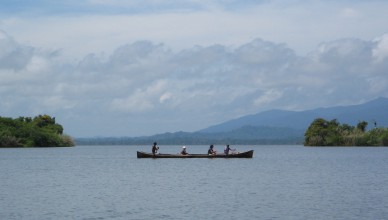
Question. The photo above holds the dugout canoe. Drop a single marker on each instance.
(247, 154)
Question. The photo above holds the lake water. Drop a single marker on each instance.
(109, 182)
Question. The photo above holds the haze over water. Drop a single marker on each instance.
(109, 182)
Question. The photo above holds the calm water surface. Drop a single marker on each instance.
(109, 182)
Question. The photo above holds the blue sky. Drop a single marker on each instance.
(129, 68)
(121, 6)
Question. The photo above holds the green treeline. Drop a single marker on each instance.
(331, 133)
(40, 131)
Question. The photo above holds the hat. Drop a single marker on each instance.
(184, 147)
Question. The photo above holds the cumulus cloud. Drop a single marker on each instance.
(380, 52)
(146, 88)
(12, 55)
(83, 27)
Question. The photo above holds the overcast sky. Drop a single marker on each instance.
(130, 68)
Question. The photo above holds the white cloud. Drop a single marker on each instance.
(142, 100)
(37, 64)
(165, 97)
(268, 97)
(301, 25)
(145, 83)
(380, 52)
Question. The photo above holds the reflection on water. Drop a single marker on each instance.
(109, 182)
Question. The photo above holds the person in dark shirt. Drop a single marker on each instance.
(227, 149)
(155, 148)
(211, 150)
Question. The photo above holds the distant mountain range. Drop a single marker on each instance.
(268, 127)
(373, 111)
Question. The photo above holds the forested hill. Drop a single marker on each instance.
(371, 112)
(243, 135)
(269, 127)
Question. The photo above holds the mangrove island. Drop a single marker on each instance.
(40, 131)
(332, 133)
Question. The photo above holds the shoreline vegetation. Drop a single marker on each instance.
(322, 132)
(183, 141)
(43, 131)
(40, 131)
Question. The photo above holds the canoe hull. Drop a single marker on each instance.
(247, 154)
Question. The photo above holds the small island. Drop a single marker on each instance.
(40, 131)
(332, 133)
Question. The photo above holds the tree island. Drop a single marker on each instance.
(40, 131)
(332, 133)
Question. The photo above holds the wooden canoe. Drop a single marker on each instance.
(247, 154)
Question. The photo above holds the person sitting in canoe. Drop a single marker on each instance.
(184, 152)
(155, 148)
(211, 150)
(227, 149)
